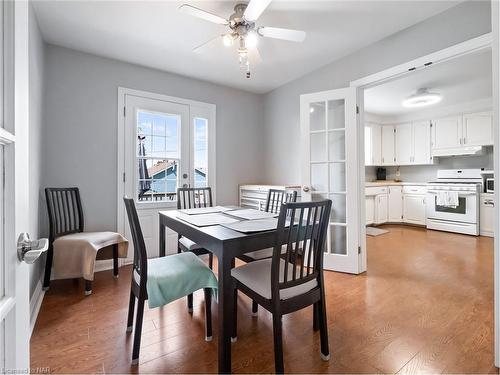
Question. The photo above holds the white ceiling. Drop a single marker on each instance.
(461, 80)
(155, 34)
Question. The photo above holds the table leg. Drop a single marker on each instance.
(225, 317)
(162, 237)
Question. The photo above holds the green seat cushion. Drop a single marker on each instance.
(175, 276)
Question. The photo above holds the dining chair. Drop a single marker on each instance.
(275, 198)
(76, 250)
(187, 198)
(162, 280)
(292, 280)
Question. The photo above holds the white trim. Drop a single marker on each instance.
(464, 48)
(6, 137)
(35, 304)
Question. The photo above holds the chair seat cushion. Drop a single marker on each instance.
(175, 276)
(75, 254)
(263, 254)
(257, 276)
(188, 244)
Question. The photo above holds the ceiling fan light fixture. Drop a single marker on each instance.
(251, 39)
(227, 40)
(422, 98)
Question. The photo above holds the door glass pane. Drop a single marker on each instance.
(158, 154)
(337, 177)
(317, 117)
(338, 214)
(318, 147)
(336, 114)
(336, 145)
(338, 239)
(319, 177)
(200, 166)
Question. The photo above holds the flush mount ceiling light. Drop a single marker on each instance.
(422, 98)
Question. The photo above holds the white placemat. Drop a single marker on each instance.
(250, 214)
(207, 219)
(252, 226)
(205, 210)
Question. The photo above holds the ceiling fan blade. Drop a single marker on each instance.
(254, 56)
(207, 45)
(285, 34)
(203, 14)
(255, 9)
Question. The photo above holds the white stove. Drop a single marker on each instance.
(459, 190)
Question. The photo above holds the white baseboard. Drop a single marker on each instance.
(35, 304)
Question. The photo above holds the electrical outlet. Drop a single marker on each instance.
(398, 172)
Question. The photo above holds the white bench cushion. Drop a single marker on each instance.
(257, 276)
(188, 244)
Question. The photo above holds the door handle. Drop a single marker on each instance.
(305, 189)
(30, 250)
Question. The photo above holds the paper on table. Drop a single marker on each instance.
(205, 210)
(250, 214)
(207, 220)
(250, 226)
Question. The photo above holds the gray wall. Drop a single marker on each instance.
(81, 128)
(36, 114)
(281, 106)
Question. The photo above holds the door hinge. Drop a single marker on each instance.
(124, 111)
(357, 109)
(123, 176)
(359, 249)
(394, 130)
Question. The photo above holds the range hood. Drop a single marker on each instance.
(458, 151)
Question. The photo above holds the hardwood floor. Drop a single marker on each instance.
(425, 305)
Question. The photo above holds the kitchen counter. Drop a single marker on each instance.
(394, 183)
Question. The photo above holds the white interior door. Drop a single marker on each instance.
(167, 143)
(14, 178)
(330, 170)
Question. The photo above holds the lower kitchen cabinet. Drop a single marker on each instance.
(487, 215)
(395, 204)
(414, 209)
(370, 210)
(381, 209)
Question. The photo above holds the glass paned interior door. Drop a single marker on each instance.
(200, 156)
(327, 137)
(158, 155)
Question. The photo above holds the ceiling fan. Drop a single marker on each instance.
(242, 30)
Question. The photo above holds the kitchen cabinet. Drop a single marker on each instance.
(381, 209)
(447, 133)
(404, 143)
(422, 143)
(388, 153)
(487, 215)
(395, 204)
(373, 144)
(478, 129)
(414, 209)
(370, 210)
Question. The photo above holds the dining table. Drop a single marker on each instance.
(226, 244)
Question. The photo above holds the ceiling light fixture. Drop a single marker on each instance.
(422, 98)
(251, 39)
(227, 40)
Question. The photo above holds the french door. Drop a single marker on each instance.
(167, 143)
(330, 170)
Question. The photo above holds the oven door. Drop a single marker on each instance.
(465, 212)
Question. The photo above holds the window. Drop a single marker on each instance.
(200, 157)
(158, 156)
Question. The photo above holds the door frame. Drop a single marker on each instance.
(208, 108)
(485, 41)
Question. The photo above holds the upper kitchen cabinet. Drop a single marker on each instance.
(478, 129)
(447, 133)
(388, 145)
(462, 135)
(413, 143)
(373, 144)
(404, 144)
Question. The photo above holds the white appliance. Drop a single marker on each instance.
(463, 217)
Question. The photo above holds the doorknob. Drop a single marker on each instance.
(305, 189)
(28, 250)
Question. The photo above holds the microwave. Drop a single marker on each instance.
(490, 185)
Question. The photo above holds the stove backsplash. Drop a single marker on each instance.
(425, 173)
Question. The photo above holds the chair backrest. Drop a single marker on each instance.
(140, 254)
(194, 198)
(302, 229)
(276, 197)
(65, 211)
